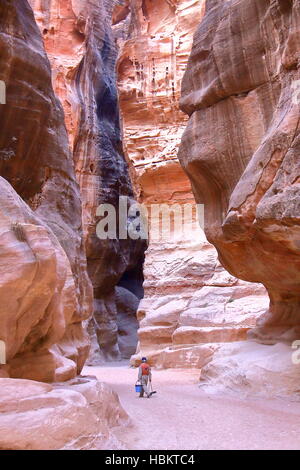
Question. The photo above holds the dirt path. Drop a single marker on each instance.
(181, 416)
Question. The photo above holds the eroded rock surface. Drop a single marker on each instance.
(150, 69)
(45, 291)
(251, 369)
(38, 297)
(240, 153)
(241, 144)
(191, 303)
(81, 46)
(77, 415)
(44, 282)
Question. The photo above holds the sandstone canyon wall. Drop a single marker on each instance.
(80, 43)
(239, 155)
(45, 291)
(240, 151)
(191, 303)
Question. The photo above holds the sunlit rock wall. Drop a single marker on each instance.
(240, 151)
(240, 147)
(46, 292)
(81, 46)
(191, 303)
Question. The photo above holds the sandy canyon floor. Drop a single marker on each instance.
(181, 416)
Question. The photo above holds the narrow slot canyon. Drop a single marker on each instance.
(149, 158)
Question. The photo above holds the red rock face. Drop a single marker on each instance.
(241, 144)
(191, 303)
(46, 287)
(149, 83)
(46, 295)
(80, 43)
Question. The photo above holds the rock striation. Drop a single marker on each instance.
(38, 297)
(80, 43)
(243, 162)
(77, 415)
(191, 303)
(46, 285)
(240, 151)
(46, 295)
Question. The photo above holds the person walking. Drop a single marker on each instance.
(144, 377)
